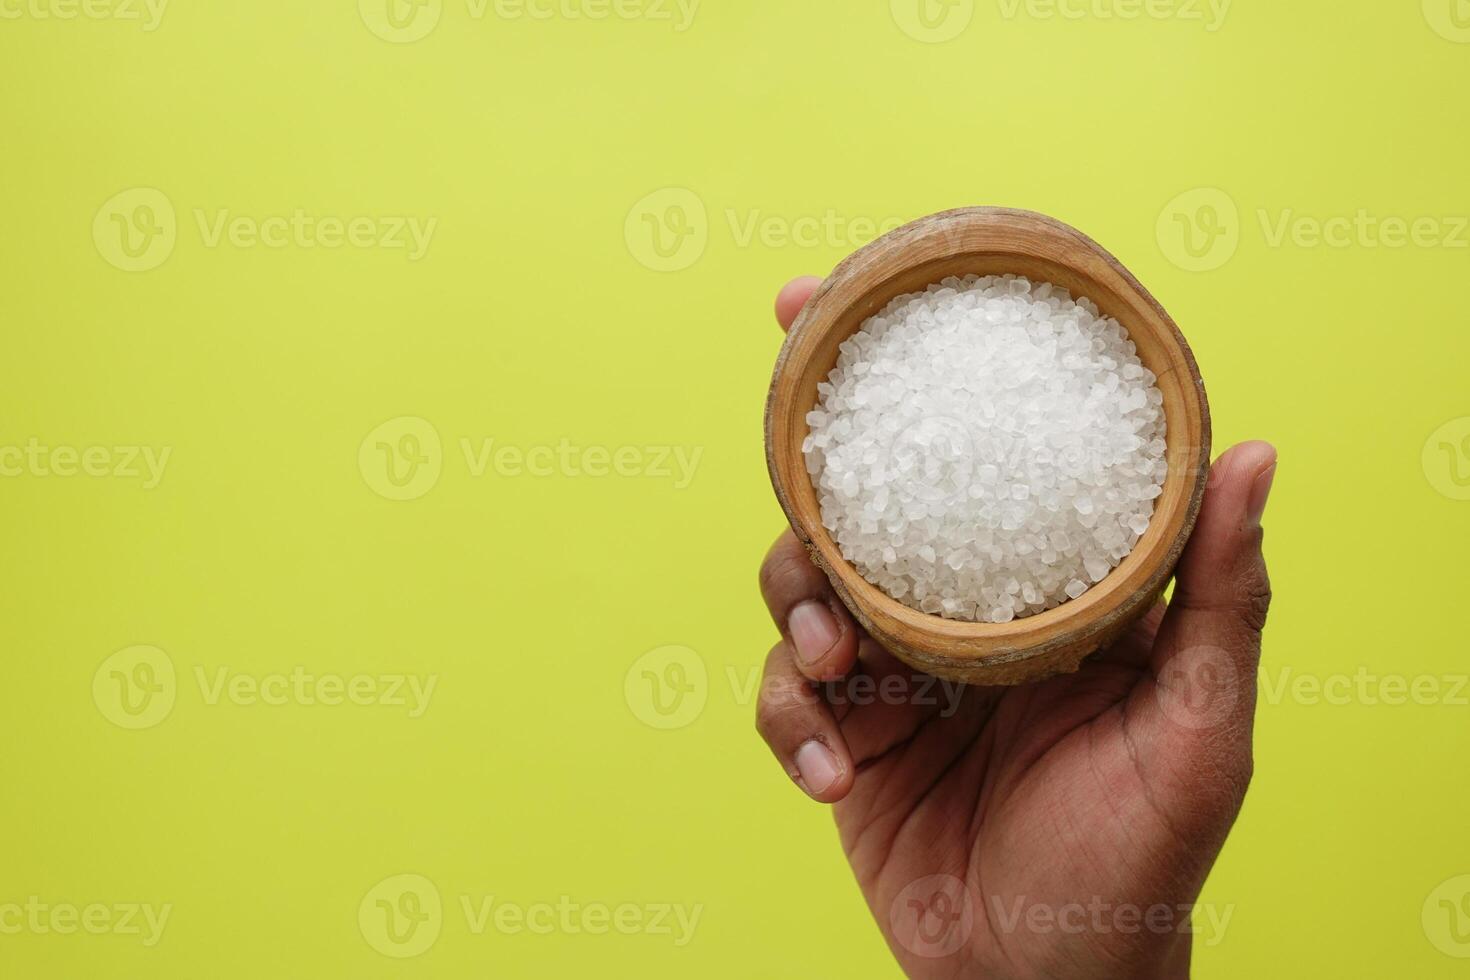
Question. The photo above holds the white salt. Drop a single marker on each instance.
(987, 448)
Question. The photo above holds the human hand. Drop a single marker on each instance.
(1033, 831)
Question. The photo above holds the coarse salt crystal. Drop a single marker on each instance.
(987, 448)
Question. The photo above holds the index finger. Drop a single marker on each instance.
(793, 297)
(823, 637)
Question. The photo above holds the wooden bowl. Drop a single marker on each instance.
(991, 241)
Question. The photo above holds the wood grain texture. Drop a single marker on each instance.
(991, 241)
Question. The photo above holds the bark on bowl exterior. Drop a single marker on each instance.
(991, 241)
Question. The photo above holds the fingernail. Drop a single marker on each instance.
(818, 767)
(1260, 490)
(813, 630)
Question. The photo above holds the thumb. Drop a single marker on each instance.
(1208, 648)
(1190, 717)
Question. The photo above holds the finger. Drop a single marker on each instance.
(1221, 589)
(885, 701)
(816, 626)
(801, 730)
(793, 297)
(1135, 647)
(1209, 644)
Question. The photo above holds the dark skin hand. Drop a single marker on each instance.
(1033, 831)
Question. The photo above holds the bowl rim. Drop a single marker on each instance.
(1106, 606)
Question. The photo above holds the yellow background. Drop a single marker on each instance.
(534, 317)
